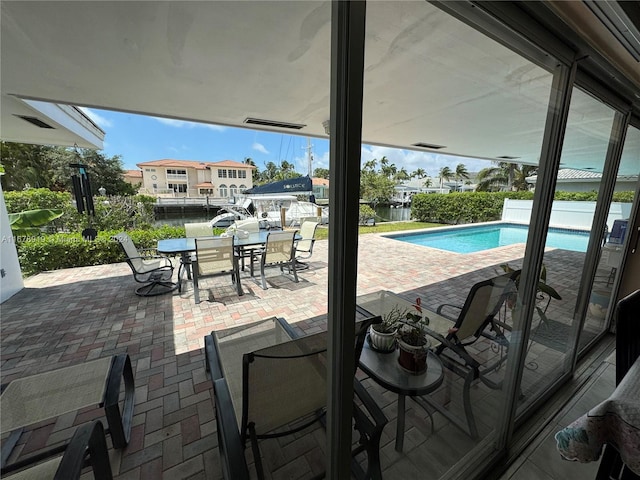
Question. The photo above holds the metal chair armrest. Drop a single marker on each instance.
(448, 316)
(234, 463)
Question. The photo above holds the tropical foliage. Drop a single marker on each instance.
(42, 166)
(30, 222)
(377, 185)
(505, 176)
(112, 212)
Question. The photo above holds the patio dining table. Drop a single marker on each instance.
(185, 246)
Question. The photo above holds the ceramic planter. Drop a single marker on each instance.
(413, 358)
(382, 342)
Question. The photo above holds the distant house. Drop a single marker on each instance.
(570, 180)
(320, 187)
(189, 178)
(134, 177)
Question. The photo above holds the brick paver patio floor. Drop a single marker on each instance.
(71, 316)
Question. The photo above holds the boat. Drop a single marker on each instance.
(267, 203)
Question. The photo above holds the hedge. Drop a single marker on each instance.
(473, 207)
(68, 250)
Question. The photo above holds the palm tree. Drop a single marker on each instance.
(445, 174)
(509, 175)
(461, 172)
(418, 173)
(427, 183)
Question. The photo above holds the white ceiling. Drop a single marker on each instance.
(429, 78)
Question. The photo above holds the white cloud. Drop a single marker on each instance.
(185, 124)
(260, 148)
(97, 118)
(412, 160)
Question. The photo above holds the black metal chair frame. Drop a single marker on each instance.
(87, 447)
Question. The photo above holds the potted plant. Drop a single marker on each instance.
(382, 336)
(412, 340)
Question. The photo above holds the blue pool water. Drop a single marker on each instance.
(485, 237)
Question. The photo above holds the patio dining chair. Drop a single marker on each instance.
(214, 256)
(279, 251)
(304, 246)
(291, 373)
(192, 230)
(152, 270)
(475, 319)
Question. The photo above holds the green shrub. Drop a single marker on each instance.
(365, 213)
(114, 212)
(67, 250)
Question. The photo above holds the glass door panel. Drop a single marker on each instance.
(478, 99)
(555, 324)
(599, 312)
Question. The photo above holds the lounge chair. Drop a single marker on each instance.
(86, 446)
(279, 251)
(475, 319)
(304, 246)
(154, 271)
(214, 256)
(32, 399)
(291, 373)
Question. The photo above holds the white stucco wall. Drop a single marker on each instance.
(11, 276)
(565, 214)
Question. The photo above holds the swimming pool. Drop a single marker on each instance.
(484, 237)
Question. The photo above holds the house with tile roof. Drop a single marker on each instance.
(189, 178)
(571, 180)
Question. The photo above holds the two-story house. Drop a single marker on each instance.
(189, 178)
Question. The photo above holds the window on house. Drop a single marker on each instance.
(222, 173)
(233, 190)
(223, 190)
(233, 174)
(242, 174)
(173, 171)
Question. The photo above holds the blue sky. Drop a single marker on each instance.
(139, 138)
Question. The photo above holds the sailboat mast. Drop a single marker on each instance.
(309, 157)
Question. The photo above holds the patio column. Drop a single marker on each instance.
(347, 70)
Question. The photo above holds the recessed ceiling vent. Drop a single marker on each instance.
(274, 123)
(507, 157)
(35, 121)
(429, 145)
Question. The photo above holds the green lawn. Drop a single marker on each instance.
(322, 233)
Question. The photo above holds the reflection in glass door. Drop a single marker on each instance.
(555, 324)
(599, 310)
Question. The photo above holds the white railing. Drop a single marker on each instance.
(177, 176)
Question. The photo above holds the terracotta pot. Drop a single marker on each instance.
(413, 358)
(383, 342)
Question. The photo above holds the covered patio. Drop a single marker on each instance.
(68, 317)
